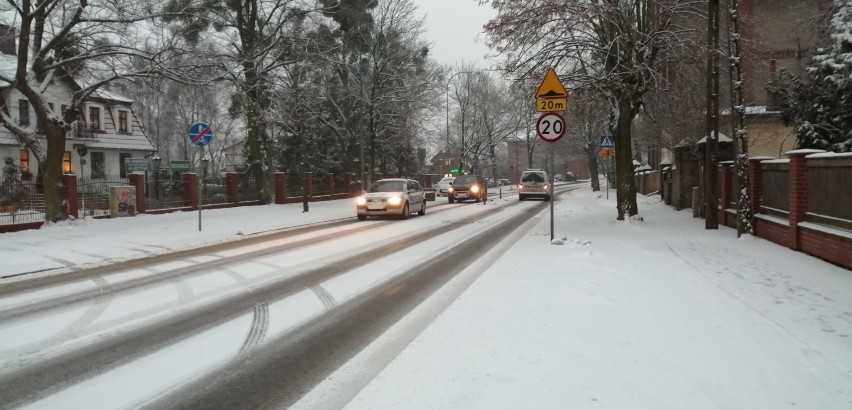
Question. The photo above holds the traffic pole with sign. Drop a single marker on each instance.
(200, 134)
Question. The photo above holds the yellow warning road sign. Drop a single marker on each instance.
(551, 86)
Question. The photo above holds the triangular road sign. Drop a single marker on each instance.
(607, 142)
(551, 86)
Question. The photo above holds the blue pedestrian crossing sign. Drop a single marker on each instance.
(200, 133)
(607, 141)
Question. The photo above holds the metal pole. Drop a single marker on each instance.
(82, 194)
(200, 199)
(550, 174)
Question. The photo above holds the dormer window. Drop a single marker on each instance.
(95, 118)
(122, 121)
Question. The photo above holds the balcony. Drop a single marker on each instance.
(83, 129)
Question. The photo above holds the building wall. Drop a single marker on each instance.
(768, 136)
(777, 34)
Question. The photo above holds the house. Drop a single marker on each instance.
(107, 131)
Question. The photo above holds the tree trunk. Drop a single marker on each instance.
(625, 186)
(51, 173)
(255, 141)
(592, 158)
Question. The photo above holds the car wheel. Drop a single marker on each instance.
(451, 199)
(547, 198)
(520, 197)
(422, 209)
(404, 214)
(362, 217)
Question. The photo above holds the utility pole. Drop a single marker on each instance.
(711, 146)
(744, 211)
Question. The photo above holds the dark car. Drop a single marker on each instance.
(468, 187)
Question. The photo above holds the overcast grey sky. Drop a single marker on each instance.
(454, 27)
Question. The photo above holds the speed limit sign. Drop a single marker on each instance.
(550, 126)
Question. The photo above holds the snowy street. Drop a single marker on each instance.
(469, 306)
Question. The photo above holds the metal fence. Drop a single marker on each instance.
(213, 190)
(93, 194)
(776, 198)
(830, 192)
(20, 202)
(163, 192)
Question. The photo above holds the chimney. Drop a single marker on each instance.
(7, 40)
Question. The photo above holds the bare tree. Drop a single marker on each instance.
(615, 46)
(87, 45)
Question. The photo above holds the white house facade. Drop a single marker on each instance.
(107, 127)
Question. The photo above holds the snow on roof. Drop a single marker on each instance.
(831, 155)
(8, 66)
(111, 96)
(722, 138)
(753, 110)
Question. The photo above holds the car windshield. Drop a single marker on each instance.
(464, 179)
(533, 177)
(387, 186)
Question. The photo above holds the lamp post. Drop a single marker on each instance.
(156, 162)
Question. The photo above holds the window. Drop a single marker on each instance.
(66, 162)
(122, 165)
(98, 165)
(95, 118)
(122, 121)
(25, 161)
(24, 112)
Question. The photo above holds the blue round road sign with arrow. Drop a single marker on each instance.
(200, 133)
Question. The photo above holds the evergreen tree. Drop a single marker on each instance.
(818, 107)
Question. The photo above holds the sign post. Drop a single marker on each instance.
(551, 96)
(607, 144)
(200, 134)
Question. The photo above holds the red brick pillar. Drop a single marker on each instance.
(309, 184)
(724, 189)
(797, 179)
(190, 190)
(280, 180)
(70, 182)
(232, 187)
(138, 180)
(755, 183)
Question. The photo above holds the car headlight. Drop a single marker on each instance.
(450, 189)
(395, 200)
(360, 201)
(545, 187)
(520, 187)
(474, 189)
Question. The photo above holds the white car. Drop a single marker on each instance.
(534, 182)
(444, 185)
(391, 197)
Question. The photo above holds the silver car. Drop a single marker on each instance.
(391, 197)
(534, 182)
(443, 188)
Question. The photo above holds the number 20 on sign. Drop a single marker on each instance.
(551, 127)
